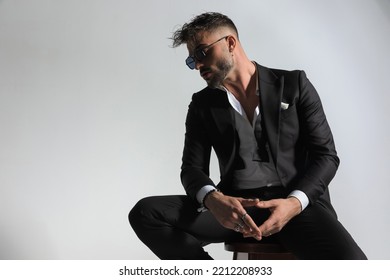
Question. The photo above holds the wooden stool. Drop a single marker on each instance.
(258, 251)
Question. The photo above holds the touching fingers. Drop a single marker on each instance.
(264, 204)
(247, 226)
(249, 202)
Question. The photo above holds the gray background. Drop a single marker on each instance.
(93, 102)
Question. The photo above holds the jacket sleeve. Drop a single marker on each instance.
(321, 156)
(196, 154)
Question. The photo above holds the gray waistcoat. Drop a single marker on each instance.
(256, 173)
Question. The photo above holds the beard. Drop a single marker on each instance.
(223, 68)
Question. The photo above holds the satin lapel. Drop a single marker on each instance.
(271, 90)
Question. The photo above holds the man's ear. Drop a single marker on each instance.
(232, 42)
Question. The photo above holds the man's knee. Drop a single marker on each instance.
(147, 211)
(140, 211)
(159, 211)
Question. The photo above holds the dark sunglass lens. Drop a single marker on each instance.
(190, 61)
(200, 54)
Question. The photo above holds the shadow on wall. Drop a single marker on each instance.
(384, 6)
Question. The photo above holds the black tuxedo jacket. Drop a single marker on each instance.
(299, 137)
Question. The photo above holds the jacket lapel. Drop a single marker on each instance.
(223, 115)
(271, 90)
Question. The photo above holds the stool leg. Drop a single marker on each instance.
(240, 256)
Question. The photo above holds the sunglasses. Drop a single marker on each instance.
(200, 54)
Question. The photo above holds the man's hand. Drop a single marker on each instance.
(282, 211)
(230, 213)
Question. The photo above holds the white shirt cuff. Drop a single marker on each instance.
(203, 191)
(302, 197)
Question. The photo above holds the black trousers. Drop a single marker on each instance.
(172, 228)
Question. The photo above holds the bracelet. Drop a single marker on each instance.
(207, 194)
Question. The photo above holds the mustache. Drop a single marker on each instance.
(204, 70)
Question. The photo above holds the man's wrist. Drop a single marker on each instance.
(200, 196)
(208, 196)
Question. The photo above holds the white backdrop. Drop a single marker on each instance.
(93, 102)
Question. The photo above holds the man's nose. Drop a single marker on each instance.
(198, 64)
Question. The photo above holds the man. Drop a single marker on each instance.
(276, 156)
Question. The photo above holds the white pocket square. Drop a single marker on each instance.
(284, 106)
